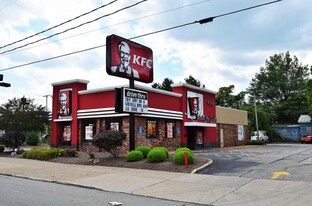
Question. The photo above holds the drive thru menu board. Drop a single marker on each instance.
(134, 101)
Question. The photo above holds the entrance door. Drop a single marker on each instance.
(191, 138)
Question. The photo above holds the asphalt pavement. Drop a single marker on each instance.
(194, 188)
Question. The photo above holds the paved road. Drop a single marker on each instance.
(272, 161)
(19, 191)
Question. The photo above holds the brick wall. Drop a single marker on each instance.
(230, 135)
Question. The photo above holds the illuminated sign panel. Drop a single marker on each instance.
(134, 101)
(127, 59)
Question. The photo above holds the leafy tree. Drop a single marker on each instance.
(225, 97)
(192, 81)
(109, 141)
(22, 115)
(281, 86)
(165, 85)
(13, 139)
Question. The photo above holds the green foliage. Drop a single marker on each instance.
(32, 138)
(13, 139)
(164, 149)
(184, 149)
(42, 153)
(1, 148)
(165, 85)
(21, 114)
(70, 152)
(192, 81)
(109, 141)
(134, 156)
(156, 155)
(226, 98)
(178, 157)
(144, 149)
(280, 86)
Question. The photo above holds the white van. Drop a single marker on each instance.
(262, 136)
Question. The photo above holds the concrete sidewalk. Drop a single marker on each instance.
(195, 188)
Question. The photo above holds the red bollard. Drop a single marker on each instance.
(186, 160)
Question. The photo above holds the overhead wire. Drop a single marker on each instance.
(109, 26)
(53, 27)
(202, 21)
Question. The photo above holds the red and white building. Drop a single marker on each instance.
(184, 117)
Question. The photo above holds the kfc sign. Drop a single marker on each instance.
(128, 59)
(64, 103)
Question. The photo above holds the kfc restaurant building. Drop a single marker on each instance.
(151, 117)
(184, 117)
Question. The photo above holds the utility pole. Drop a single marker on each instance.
(46, 96)
(256, 116)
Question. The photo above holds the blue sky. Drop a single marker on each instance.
(229, 50)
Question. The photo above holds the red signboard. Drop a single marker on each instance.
(128, 59)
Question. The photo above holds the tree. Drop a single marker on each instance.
(192, 81)
(281, 86)
(225, 97)
(165, 85)
(22, 115)
(109, 141)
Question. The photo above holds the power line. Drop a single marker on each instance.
(75, 27)
(8, 5)
(53, 27)
(202, 21)
(109, 26)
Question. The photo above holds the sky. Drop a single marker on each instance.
(228, 51)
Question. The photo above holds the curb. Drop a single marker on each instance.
(197, 170)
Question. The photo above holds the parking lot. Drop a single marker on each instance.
(273, 161)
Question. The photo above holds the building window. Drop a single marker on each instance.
(170, 128)
(113, 124)
(88, 130)
(151, 129)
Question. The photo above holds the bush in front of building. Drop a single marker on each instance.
(70, 152)
(134, 156)
(156, 155)
(184, 149)
(1, 148)
(178, 157)
(42, 153)
(109, 141)
(144, 149)
(13, 139)
(164, 149)
(32, 139)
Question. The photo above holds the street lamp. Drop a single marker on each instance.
(256, 116)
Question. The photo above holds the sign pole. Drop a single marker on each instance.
(131, 122)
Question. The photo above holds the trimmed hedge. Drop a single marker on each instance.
(156, 155)
(164, 149)
(133, 156)
(1, 148)
(144, 149)
(184, 149)
(43, 153)
(178, 157)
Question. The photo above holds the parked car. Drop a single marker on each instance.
(306, 139)
(262, 136)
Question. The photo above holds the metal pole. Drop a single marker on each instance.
(256, 116)
(131, 122)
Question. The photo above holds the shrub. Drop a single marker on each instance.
(1, 148)
(42, 153)
(184, 149)
(13, 139)
(109, 141)
(178, 158)
(256, 142)
(134, 156)
(32, 139)
(144, 149)
(156, 155)
(164, 149)
(70, 152)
